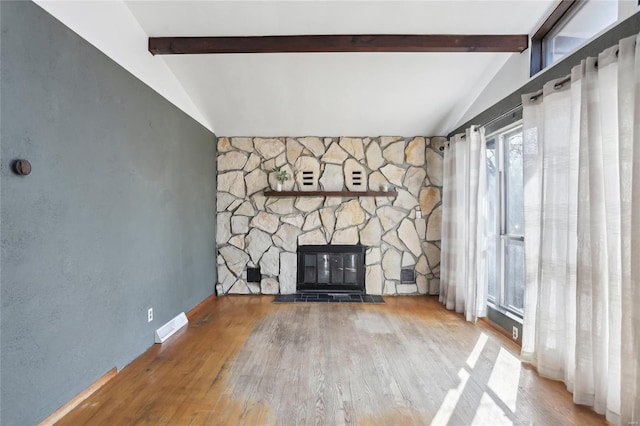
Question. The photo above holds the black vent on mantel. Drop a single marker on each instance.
(331, 268)
(307, 178)
(356, 177)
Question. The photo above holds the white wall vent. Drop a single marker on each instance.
(168, 330)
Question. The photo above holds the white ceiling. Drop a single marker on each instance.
(327, 94)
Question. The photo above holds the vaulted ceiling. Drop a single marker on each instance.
(326, 94)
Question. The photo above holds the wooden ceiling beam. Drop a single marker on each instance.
(338, 43)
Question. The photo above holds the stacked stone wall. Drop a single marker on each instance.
(402, 232)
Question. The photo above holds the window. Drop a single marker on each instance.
(571, 24)
(505, 251)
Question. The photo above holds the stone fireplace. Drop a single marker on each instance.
(397, 233)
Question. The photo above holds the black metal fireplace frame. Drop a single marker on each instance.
(359, 250)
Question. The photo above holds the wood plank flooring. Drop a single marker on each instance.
(245, 360)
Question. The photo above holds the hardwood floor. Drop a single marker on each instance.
(245, 360)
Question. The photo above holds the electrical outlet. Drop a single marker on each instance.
(150, 315)
(515, 333)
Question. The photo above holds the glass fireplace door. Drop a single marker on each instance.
(330, 268)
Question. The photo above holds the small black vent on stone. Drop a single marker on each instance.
(407, 276)
(253, 275)
(356, 177)
(307, 178)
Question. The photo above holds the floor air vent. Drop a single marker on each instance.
(169, 329)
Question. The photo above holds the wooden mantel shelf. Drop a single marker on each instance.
(330, 194)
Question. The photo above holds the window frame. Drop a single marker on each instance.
(498, 302)
(562, 11)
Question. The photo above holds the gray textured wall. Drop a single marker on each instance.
(117, 216)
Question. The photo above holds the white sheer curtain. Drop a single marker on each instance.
(629, 151)
(582, 231)
(463, 277)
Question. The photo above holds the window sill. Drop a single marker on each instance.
(505, 322)
(505, 312)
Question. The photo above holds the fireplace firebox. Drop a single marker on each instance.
(331, 268)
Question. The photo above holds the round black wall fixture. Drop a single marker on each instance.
(22, 167)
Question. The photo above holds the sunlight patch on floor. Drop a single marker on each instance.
(501, 389)
(505, 377)
(477, 350)
(488, 413)
(450, 401)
